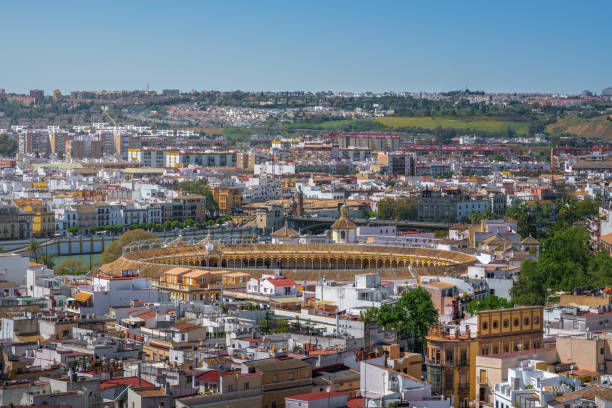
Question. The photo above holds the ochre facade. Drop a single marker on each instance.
(451, 359)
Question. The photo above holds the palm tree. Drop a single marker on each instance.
(33, 248)
(46, 260)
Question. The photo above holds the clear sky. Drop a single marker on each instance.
(535, 45)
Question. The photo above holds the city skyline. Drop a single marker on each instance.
(397, 47)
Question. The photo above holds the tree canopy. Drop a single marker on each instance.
(403, 208)
(200, 187)
(115, 249)
(71, 266)
(33, 248)
(540, 221)
(492, 302)
(565, 263)
(411, 317)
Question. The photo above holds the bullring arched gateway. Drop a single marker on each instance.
(298, 261)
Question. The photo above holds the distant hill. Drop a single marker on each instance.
(599, 127)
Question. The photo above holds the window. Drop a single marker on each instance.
(448, 380)
(506, 348)
(275, 379)
(484, 325)
(536, 320)
(495, 350)
(516, 322)
(601, 350)
(495, 324)
(483, 376)
(342, 234)
(433, 378)
(526, 321)
(449, 355)
(230, 388)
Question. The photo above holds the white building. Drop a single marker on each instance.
(382, 386)
(13, 268)
(530, 387)
(34, 273)
(272, 285)
(367, 291)
(113, 291)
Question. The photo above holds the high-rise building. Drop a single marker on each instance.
(606, 92)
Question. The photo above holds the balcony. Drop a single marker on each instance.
(190, 288)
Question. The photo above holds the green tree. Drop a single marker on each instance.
(530, 286)
(33, 248)
(200, 187)
(115, 249)
(492, 302)
(411, 317)
(565, 263)
(73, 229)
(403, 208)
(8, 147)
(265, 324)
(600, 270)
(441, 233)
(71, 266)
(282, 327)
(46, 260)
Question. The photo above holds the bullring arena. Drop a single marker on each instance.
(299, 262)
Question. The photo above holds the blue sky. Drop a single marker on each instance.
(552, 46)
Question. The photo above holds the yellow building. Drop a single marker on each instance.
(9, 223)
(43, 221)
(452, 351)
(281, 378)
(39, 185)
(198, 284)
(227, 198)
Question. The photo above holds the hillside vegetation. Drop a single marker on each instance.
(599, 127)
(476, 122)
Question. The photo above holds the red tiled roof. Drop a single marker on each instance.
(115, 382)
(185, 326)
(313, 396)
(210, 376)
(281, 282)
(355, 403)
